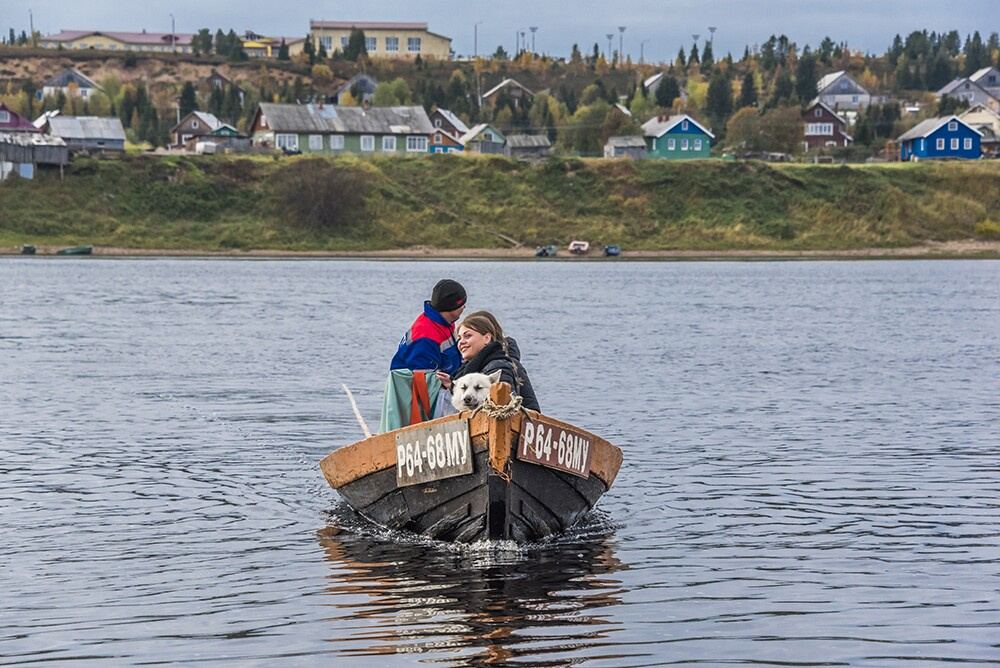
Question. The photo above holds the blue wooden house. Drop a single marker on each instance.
(676, 138)
(939, 138)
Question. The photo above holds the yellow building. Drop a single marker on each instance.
(382, 40)
(100, 40)
(261, 46)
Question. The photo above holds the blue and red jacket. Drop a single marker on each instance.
(429, 344)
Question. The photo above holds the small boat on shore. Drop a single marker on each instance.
(546, 251)
(490, 474)
(612, 251)
(28, 249)
(579, 247)
(76, 250)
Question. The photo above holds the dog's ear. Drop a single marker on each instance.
(495, 376)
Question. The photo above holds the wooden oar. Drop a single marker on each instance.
(357, 413)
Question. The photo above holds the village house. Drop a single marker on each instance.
(360, 86)
(969, 91)
(88, 134)
(839, 91)
(256, 45)
(625, 147)
(119, 41)
(824, 128)
(382, 40)
(13, 122)
(329, 129)
(518, 94)
(200, 126)
(987, 123)
(527, 147)
(677, 137)
(939, 138)
(483, 138)
(988, 79)
(218, 81)
(653, 82)
(448, 131)
(70, 83)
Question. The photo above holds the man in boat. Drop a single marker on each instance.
(430, 344)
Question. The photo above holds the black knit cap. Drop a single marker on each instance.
(448, 295)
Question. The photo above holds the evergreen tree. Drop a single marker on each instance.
(939, 71)
(693, 58)
(719, 103)
(825, 52)
(310, 50)
(231, 107)
(189, 99)
(668, 91)
(707, 58)
(220, 43)
(322, 54)
(805, 76)
(355, 45)
(976, 57)
(283, 50)
(575, 56)
(682, 57)
(215, 101)
(748, 91)
(784, 88)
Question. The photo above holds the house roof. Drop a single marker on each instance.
(454, 120)
(366, 83)
(18, 123)
(87, 127)
(632, 141)
(979, 109)
(319, 119)
(504, 84)
(211, 122)
(622, 108)
(818, 103)
(831, 78)
(930, 126)
(655, 127)
(67, 77)
(476, 131)
(528, 141)
(367, 25)
(162, 38)
(956, 83)
(979, 74)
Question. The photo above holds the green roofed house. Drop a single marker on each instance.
(676, 138)
(328, 129)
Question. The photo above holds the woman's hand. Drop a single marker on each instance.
(444, 378)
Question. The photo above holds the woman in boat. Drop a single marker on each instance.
(485, 349)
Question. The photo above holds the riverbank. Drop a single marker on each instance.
(489, 206)
(970, 248)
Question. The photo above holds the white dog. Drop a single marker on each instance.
(469, 391)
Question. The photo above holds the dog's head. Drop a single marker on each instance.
(469, 391)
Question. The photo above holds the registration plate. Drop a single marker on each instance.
(433, 452)
(556, 447)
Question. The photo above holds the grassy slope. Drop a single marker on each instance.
(217, 202)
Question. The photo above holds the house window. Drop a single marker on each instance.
(337, 142)
(194, 125)
(488, 136)
(315, 142)
(287, 142)
(923, 144)
(412, 44)
(437, 122)
(326, 43)
(684, 144)
(952, 126)
(344, 42)
(819, 112)
(671, 144)
(697, 144)
(370, 43)
(940, 144)
(437, 138)
(954, 143)
(4, 117)
(416, 144)
(367, 143)
(968, 143)
(388, 143)
(684, 125)
(392, 44)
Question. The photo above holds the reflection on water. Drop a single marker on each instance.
(486, 603)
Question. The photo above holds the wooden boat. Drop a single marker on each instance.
(612, 251)
(477, 476)
(28, 249)
(579, 247)
(546, 251)
(76, 250)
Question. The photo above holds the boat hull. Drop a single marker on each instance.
(503, 498)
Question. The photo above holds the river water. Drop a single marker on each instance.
(811, 475)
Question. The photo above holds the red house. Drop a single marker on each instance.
(11, 121)
(824, 128)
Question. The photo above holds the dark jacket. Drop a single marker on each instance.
(492, 358)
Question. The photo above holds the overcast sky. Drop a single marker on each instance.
(659, 27)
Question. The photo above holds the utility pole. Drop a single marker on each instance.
(533, 30)
(621, 36)
(31, 21)
(173, 36)
(641, 45)
(475, 39)
(609, 36)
